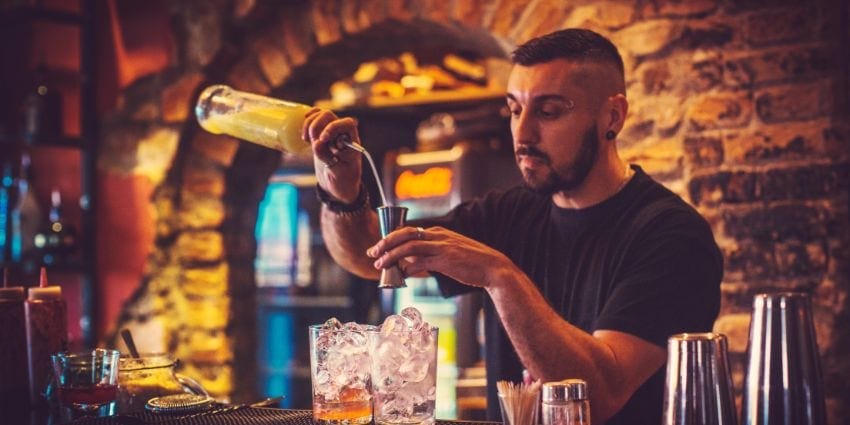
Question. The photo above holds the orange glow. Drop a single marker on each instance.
(435, 181)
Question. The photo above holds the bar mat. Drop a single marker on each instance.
(225, 415)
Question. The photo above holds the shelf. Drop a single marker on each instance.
(415, 102)
(54, 142)
(22, 14)
(303, 301)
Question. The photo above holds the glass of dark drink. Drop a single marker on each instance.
(87, 382)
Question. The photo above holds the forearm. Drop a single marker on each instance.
(553, 349)
(347, 237)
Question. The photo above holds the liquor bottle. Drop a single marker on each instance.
(20, 214)
(41, 111)
(266, 121)
(56, 242)
(47, 333)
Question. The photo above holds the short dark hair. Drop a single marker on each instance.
(572, 44)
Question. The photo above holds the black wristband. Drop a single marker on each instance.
(360, 204)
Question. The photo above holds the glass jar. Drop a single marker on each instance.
(149, 376)
(565, 403)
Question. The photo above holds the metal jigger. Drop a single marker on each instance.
(783, 384)
(699, 382)
(391, 218)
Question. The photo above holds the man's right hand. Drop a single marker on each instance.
(338, 168)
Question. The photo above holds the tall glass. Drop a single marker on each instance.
(339, 370)
(87, 382)
(404, 374)
(270, 122)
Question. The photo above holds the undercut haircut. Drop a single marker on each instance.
(574, 44)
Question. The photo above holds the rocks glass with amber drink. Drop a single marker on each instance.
(340, 373)
(87, 382)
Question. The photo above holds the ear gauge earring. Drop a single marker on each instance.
(610, 135)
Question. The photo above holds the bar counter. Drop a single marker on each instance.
(219, 415)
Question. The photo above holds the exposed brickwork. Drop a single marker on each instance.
(200, 247)
(272, 60)
(740, 106)
(326, 23)
(473, 13)
(352, 17)
(648, 37)
(773, 26)
(796, 102)
(506, 17)
(219, 149)
(247, 76)
(177, 98)
(720, 110)
(539, 18)
(769, 143)
(602, 15)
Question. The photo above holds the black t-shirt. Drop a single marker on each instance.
(642, 262)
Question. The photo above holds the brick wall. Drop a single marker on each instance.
(739, 106)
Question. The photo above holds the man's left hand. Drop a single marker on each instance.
(437, 249)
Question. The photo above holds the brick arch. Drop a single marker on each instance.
(200, 277)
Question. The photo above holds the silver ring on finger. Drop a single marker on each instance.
(332, 162)
(420, 233)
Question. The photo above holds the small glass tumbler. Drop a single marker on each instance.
(519, 408)
(404, 375)
(87, 382)
(339, 371)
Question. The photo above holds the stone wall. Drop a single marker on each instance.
(739, 106)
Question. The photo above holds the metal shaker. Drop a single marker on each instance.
(698, 389)
(391, 218)
(783, 383)
(566, 403)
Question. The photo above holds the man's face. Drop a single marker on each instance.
(553, 126)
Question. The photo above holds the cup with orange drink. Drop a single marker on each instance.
(340, 366)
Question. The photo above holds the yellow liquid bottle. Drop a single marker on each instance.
(266, 121)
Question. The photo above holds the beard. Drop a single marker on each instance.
(567, 179)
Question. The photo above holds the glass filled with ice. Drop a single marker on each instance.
(404, 369)
(340, 373)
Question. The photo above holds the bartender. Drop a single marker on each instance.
(588, 268)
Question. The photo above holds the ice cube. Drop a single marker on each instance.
(414, 316)
(393, 323)
(352, 326)
(332, 324)
(415, 369)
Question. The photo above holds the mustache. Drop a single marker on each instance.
(532, 152)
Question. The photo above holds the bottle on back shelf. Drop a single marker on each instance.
(56, 242)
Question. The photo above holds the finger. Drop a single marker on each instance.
(309, 117)
(332, 132)
(318, 124)
(409, 249)
(396, 238)
(418, 266)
